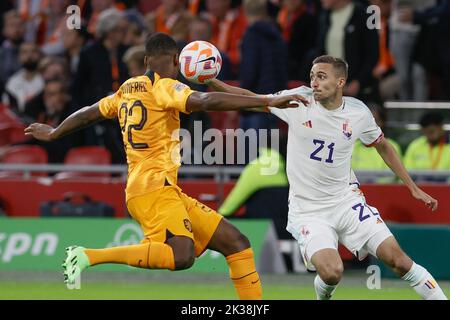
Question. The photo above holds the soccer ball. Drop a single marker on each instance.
(200, 61)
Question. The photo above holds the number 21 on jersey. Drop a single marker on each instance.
(318, 155)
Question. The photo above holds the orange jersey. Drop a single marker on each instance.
(148, 111)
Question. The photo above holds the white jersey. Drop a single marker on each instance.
(319, 151)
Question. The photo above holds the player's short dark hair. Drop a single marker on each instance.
(159, 43)
(340, 65)
(431, 118)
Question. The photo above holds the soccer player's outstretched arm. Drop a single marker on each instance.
(76, 121)
(217, 101)
(220, 86)
(392, 159)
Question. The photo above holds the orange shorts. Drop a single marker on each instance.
(169, 211)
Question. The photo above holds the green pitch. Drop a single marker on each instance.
(187, 291)
(188, 286)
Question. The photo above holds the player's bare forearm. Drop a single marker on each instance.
(392, 159)
(217, 101)
(221, 86)
(76, 121)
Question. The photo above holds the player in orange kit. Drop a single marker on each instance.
(176, 227)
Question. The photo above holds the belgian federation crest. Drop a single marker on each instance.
(347, 130)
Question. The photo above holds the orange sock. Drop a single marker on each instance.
(244, 276)
(152, 255)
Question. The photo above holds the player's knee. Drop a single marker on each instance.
(242, 242)
(236, 242)
(184, 260)
(183, 252)
(228, 239)
(401, 263)
(332, 274)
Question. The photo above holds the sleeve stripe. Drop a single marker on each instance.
(377, 141)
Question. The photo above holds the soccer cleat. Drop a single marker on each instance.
(76, 261)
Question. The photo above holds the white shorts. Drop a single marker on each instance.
(353, 223)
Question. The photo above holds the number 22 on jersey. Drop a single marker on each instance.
(130, 111)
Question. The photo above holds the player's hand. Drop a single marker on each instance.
(288, 101)
(429, 201)
(40, 131)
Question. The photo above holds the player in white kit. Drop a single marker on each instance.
(325, 207)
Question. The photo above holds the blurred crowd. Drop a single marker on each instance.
(48, 70)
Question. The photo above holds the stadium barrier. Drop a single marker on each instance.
(393, 201)
(39, 244)
(428, 245)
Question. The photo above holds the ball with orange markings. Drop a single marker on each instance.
(200, 61)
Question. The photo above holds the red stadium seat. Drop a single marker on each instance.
(93, 155)
(25, 154)
(11, 134)
(7, 116)
(11, 129)
(88, 155)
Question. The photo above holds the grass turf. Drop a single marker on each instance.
(35, 289)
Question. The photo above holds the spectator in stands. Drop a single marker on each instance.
(257, 183)
(170, 17)
(51, 31)
(384, 72)
(51, 107)
(98, 6)
(263, 66)
(404, 38)
(366, 158)
(229, 25)
(74, 40)
(432, 49)
(299, 31)
(343, 33)
(31, 12)
(201, 29)
(101, 71)
(13, 32)
(136, 30)
(27, 82)
(431, 151)
(5, 6)
(134, 59)
(52, 68)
